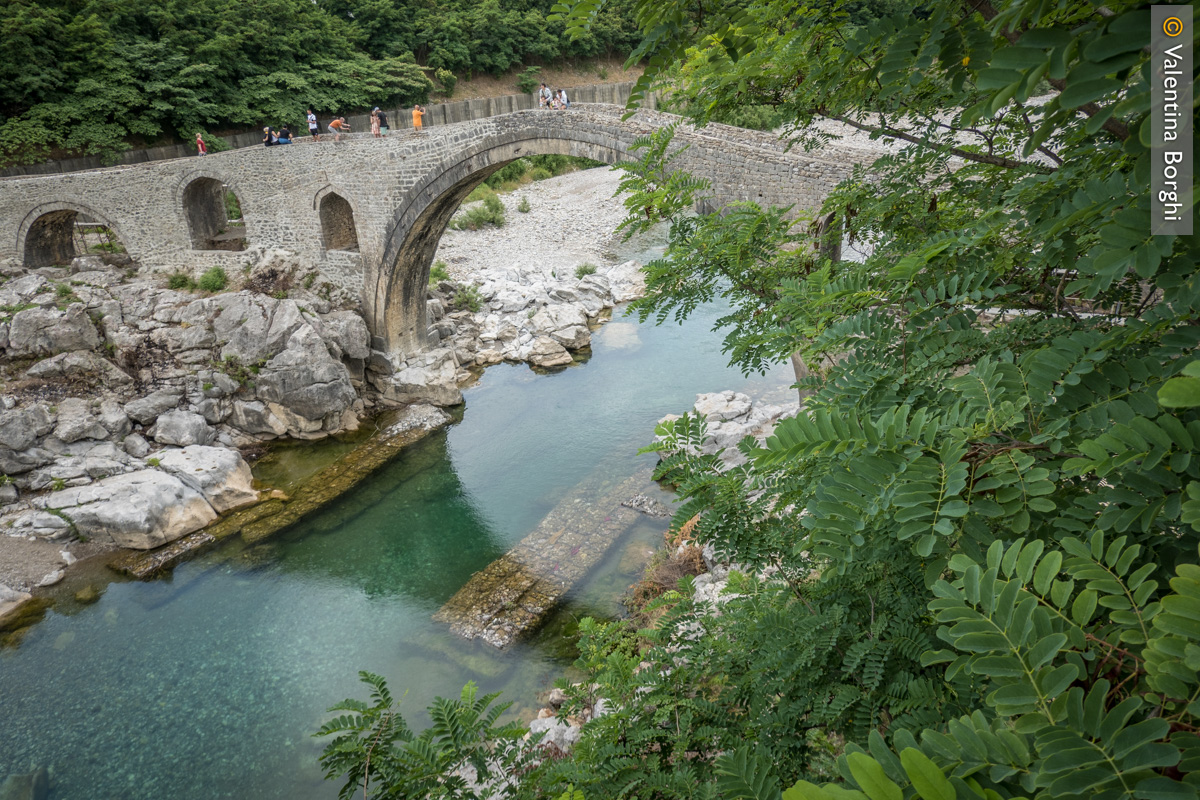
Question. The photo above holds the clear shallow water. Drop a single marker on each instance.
(208, 683)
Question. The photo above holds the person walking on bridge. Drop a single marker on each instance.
(201, 147)
(383, 123)
(417, 113)
(375, 124)
(313, 129)
(337, 127)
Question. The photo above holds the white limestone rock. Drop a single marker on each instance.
(19, 429)
(140, 510)
(182, 428)
(253, 418)
(48, 331)
(75, 421)
(220, 474)
(80, 364)
(558, 733)
(147, 409)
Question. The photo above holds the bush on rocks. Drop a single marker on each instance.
(214, 280)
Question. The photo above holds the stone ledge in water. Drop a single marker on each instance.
(261, 521)
(512, 595)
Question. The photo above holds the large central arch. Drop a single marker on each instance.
(396, 285)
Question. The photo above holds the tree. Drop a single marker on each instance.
(988, 417)
(982, 529)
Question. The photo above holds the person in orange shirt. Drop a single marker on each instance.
(418, 112)
(337, 127)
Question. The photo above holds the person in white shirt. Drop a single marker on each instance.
(312, 126)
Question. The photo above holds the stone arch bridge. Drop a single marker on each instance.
(369, 212)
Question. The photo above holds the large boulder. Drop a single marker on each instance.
(220, 474)
(435, 382)
(75, 421)
(48, 331)
(254, 418)
(347, 332)
(20, 429)
(546, 352)
(140, 510)
(556, 732)
(565, 323)
(723, 405)
(252, 327)
(147, 409)
(182, 428)
(80, 364)
(305, 379)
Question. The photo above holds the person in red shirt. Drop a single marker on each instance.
(201, 147)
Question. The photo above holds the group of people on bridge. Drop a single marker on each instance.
(337, 126)
(553, 98)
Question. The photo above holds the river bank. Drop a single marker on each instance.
(109, 376)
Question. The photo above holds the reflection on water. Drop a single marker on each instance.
(208, 683)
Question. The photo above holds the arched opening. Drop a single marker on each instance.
(396, 289)
(337, 223)
(214, 216)
(56, 237)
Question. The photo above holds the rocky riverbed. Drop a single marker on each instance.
(129, 409)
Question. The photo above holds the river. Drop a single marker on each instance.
(209, 683)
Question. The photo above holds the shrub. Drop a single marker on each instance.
(528, 80)
(584, 270)
(213, 280)
(233, 206)
(491, 212)
(480, 192)
(509, 173)
(180, 280)
(447, 79)
(438, 273)
(467, 297)
(540, 173)
(524, 206)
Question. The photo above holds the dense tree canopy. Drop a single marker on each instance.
(89, 76)
(971, 559)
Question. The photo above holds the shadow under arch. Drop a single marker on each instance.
(201, 196)
(48, 237)
(336, 214)
(396, 285)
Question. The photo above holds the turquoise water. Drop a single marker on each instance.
(208, 683)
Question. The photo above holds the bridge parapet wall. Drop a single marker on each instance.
(401, 191)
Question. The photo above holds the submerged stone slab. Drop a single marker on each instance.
(513, 594)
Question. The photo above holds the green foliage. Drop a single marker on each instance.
(233, 207)
(375, 750)
(976, 545)
(524, 207)
(489, 212)
(180, 280)
(214, 279)
(438, 272)
(528, 80)
(93, 78)
(583, 270)
(447, 79)
(540, 174)
(466, 297)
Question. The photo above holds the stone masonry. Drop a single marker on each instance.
(401, 190)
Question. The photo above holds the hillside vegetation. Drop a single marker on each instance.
(95, 76)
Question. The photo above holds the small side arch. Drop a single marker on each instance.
(49, 235)
(212, 209)
(336, 214)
